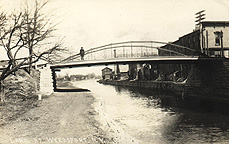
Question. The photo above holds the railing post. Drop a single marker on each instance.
(114, 53)
(111, 50)
(141, 50)
(151, 48)
(123, 51)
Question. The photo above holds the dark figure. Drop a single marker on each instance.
(82, 53)
(139, 75)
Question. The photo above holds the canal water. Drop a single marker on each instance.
(156, 118)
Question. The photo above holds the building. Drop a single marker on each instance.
(214, 38)
(107, 73)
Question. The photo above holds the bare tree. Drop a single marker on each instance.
(37, 28)
(25, 30)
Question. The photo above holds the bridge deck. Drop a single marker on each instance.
(126, 61)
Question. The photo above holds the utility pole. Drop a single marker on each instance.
(199, 17)
(221, 41)
(207, 43)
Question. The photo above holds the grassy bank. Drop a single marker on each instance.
(20, 95)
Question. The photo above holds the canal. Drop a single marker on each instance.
(162, 118)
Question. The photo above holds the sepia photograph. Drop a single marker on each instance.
(114, 71)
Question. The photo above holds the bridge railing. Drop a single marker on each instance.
(132, 49)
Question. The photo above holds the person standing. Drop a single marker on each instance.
(82, 53)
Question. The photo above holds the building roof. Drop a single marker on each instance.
(193, 32)
(215, 23)
(106, 68)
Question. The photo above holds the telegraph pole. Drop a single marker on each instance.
(199, 17)
(221, 41)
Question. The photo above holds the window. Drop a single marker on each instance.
(217, 38)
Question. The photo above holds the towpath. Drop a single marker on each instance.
(59, 118)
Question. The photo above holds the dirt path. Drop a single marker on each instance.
(59, 118)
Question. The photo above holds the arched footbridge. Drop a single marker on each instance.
(131, 52)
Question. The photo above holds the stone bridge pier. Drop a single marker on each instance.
(46, 80)
(210, 79)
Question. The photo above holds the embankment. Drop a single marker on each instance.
(158, 86)
(20, 95)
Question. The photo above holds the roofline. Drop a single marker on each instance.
(194, 31)
(106, 68)
(215, 23)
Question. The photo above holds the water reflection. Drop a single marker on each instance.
(197, 117)
(168, 100)
(153, 117)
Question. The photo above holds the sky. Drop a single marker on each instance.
(92, 23)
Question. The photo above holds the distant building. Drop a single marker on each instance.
(107, 73)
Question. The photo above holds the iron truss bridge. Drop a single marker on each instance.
(133, 49)
(131, 52)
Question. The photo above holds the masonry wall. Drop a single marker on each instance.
(157, 86)
(209, 79)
